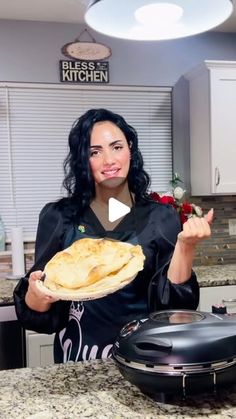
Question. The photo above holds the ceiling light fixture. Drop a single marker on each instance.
(151, 20)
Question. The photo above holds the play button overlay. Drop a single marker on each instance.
(111, 211)
(116, 209)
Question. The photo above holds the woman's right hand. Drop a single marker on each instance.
(36, 299)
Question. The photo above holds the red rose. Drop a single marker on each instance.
(155, 196)
(168, 200)
(183, 208)
(187, 208)
(183, 218)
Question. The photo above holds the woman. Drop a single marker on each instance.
(104, 161)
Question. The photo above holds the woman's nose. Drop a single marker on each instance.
(108, 157)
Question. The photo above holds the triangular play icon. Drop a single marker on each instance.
(116, 209)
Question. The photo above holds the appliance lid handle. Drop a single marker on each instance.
(152, 343)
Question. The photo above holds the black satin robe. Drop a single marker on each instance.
(88, 329)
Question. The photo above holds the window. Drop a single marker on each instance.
(35, 121)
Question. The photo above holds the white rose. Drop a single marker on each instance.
(197, 210)
(178, 192)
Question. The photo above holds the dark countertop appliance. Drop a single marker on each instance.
(12, 339)
(178, 352)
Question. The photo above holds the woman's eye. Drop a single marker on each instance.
(117, 147)
(94, 153)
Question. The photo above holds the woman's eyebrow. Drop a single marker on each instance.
(110, 145)
(95, 146)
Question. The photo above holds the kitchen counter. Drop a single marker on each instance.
(96, 389)
(216, 275)
(6, 291)
(208, 276)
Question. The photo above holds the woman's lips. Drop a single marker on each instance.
(110, 173)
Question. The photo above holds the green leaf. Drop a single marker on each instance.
(175, 180)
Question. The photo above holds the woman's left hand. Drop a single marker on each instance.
(196, 229)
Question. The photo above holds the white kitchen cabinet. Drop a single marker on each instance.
(39, 349)
(212, 95)
(210, 296)
(206, 116)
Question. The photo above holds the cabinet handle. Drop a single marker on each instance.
(217, 176)
(229, 300)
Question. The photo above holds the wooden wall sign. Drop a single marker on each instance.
(87, 64)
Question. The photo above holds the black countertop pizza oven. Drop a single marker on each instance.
(178, 352)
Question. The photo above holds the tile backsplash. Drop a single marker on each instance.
(219, 249)
(5, 260)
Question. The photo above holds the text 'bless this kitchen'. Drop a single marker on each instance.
(84, 71)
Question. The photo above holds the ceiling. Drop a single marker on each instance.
(67, 11)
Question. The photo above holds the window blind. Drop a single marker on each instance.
(35, 121)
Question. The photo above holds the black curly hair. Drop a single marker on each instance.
(78, 180)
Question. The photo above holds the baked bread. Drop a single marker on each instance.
(89, 264)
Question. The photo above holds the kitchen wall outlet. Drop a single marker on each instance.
(232, 227)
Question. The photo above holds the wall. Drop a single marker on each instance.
(30, 52)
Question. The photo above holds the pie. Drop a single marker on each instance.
(93, 265)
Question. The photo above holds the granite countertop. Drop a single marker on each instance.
(208, 276)
(6, 291)
(216, 275)
(96, 389)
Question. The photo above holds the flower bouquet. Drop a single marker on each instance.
(176, 198)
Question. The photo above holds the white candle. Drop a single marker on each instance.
(17, 248)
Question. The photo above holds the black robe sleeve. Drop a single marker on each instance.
(48, 241)
(163, 294)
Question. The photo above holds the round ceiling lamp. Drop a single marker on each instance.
(150, 20)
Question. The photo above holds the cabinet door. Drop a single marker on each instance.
(218, 295)
(223, 130)
(39, 349)
(212, 127)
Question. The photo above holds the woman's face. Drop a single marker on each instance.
(109, 152)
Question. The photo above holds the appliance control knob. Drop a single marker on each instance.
(219, 309)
